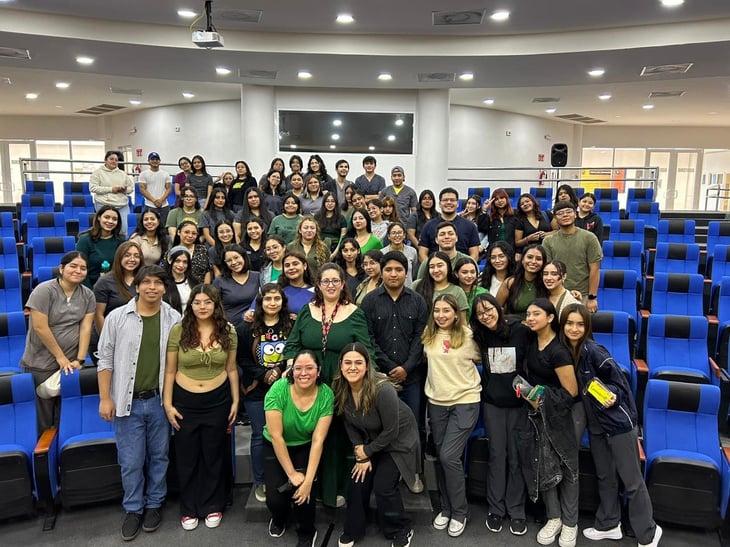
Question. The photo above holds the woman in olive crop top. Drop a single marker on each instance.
(201, 400)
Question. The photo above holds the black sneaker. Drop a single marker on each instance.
(132, 526)
(494, 523)
(307, 540)
(518, 527)
(345, 541)
(276, 531)
(402, 539)
(152, 519)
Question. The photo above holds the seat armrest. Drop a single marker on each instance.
(641, 366)
(44, 443)
(644, 314)
(642, 454)
(717, 370)
(45, 468)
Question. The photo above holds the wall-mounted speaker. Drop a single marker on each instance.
(559, 155)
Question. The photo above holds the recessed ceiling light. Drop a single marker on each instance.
(63, 85)
(671, 3)
(304, 74)
(345, 19)
(500, 15)
(488, 101)
(58, 106)
(596, 72)
(333, 147)
(186, 13)
(371, 148)
(466, 76)
(31, 96)
(188, 95)
(604, 96)
(391, 138)
(551, 110)
(335, 137)
(83, 60)
(337, 123)
(293, 146)
(713, 113)
(222, 70)
(135, 102)
(385, 76)
(648, 106)
(399, 122)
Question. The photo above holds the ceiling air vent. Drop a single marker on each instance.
(680, 68)
(121, 91)
(470, 17)
(665, 94)
(100, 109)
(240, 15)
(546, 100)
(257, 74)
(5, 80)
(580, 118)
(14, 53)
(443, 77)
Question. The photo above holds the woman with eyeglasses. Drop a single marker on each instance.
(116, 288)
(500, 265)
(502, 343)
(201, 400)
(325, 326)
(238, 286)
(179, 181)
(554, 274)
(189, 209)
(275, 249)
(397, 238)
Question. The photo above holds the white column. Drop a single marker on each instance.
(432, 152)
(259, 137)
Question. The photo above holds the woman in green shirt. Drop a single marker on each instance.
(100, 243)
(298, 415)
(467, 273)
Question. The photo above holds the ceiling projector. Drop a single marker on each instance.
(207, 39)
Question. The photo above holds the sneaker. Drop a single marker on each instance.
(440, 522)
(276, 531)
(456, 528)
(132, 526)
(417, 485)
(345, 541)
(152, 519)
(402, 539)
(340, 501)
(260, 493)
(595, 535)
(307, 541)
(189, 523)
(568, 536)
(213, 520)
(657, 536)
(494, 523)
(518, 527)
(550, 531)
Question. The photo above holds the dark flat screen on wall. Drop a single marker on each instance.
(353, 132)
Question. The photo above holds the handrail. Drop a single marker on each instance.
(719, 193)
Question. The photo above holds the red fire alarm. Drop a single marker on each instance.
(541, 157)
(139, 152)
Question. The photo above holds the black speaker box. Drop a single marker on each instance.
(559, 155)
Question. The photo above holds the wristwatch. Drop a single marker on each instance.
(592, 297)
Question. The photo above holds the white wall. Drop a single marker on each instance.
(656, 137)
(52, 127)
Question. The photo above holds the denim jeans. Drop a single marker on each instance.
(255, 411)
(143, 438)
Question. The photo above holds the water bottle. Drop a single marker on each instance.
(105, 267)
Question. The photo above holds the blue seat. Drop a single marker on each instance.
(137, 202)
(721, 308)
(627, 230)
(676, 230)
(132, 222)
(608, 210)
(623, 255)
(648, 211)
(43, 225)
(75, 205)
(720, 264)
(7, 225)
(18, 437)
(606, 194)
(35, 203)
(39, 187)
(686, 473)
(677, 294)
(47, 251)
(86, 221)
(639, 194)
(12, 340)
(617, 332)
(46, 273)
(8, 253)
(718, 233)
(618, 290)
(71, 188)
(542, 193)
(10, 291)
(514, 195)
(676, 349)
(483, 191)
(677, 258)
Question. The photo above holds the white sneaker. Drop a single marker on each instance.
(440, 522)
(657, 536)
(456, 528)
(340, 501)
(568, 536)
(595, 535)
(550, 531)
(260, 493)
(417, 485)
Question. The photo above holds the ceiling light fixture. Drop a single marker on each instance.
(337, 123)
(83, 60)
(293, 146)
(604, 96)
(500, 15)
(391, 138)
(222, 70)
(188, 95)
(186, 13)
(135, 102)
(304, 74)
(596, 72)
(333, 147)
(345, 19)
(371, 148)
(648, 106)
(488, 101)
(335, 137)
(551, 110)
(466, 76)
(671, 3)
(31, 96)
(399, 122)
(385, 76)
(62, 85)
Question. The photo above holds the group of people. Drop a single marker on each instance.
(343, 352)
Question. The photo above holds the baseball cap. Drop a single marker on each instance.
(153, 156)
(399, 169)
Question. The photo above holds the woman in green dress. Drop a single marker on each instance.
(325, 326)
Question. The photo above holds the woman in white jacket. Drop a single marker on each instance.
(111, 186)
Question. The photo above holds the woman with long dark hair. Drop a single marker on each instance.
(254, 241)
(117, 287)
(277, 164)
(332, 225)
(397, 242)
(350, 260)
(439, 280)
(316, 166)
(466, 271)
(254, 205)
(374, 279)
(273, 191)
(500, 265)
(297, 281)
(518, 291)
(180, 179)
(187, 236)
(361, 230)
(275, 250)
(216, 211)
(100, 242)
(242, 182)
(201, 400)
(238, 285)
(425, 211)
(179, 267)
(200, 180)
(223, 235)
(499, 221)
(287, 222)
(533, 225)
(189, 209)
(151, 236)
(296, 164)
(554, 274)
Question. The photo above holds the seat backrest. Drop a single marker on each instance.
(618, 291)
(80, 403)
(606, 193)
(612, 329)
(12, 338)
(76, 204)
(720, 263)
(39, 187)
(622, 255)
(677, 294)
(723, 301)
(70, 187)
(483, 191)
(608, 210)
(8, 253)
(676, 230)
(718, 233)
(681, 416)
(7, 225)
(35, 203)
(542, 192)
(627, 230)
(10, 292)
(648, 211)
(677, 258)
(43, 225)
(639, 194)
(677, 341)
(17, 411)
(47, 251)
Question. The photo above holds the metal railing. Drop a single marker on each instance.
(717, 193)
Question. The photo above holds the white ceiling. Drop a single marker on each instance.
(543, 50)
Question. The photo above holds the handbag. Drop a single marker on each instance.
(51, 387)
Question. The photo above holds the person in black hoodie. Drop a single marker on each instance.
(613, 430)
(502, 342)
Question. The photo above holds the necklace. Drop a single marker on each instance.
(327, 325)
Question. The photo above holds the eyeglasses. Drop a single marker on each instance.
(449, 200)
(564, 212)
(131, 255)
(486, 311)
(396, 233)
(330, 282)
